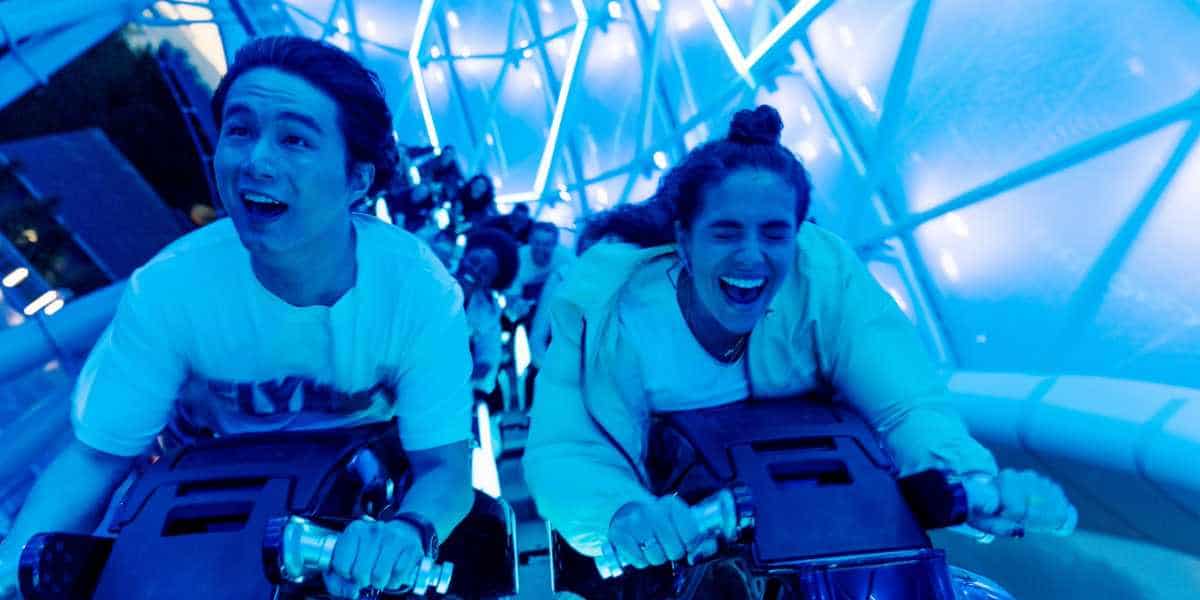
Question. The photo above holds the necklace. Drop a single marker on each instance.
(735, 352)
(683, 294)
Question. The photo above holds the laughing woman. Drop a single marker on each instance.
(750, 301)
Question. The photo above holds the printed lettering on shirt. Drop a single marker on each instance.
(295, 394)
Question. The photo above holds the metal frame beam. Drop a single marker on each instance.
(653, 85)
(884, 188)
(565, 87)
(510, 59)
(1063, 159)
(456, 79)
(1089, 296)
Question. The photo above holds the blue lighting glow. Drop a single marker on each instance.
(744, 63)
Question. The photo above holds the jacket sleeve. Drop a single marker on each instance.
(577, 477)
(879, 364)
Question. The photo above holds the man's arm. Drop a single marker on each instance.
(441, 488)
(386, 554)
(70, 496)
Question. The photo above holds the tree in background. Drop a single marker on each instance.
(121, 90)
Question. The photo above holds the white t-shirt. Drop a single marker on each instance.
(195, 325)
(667, 368)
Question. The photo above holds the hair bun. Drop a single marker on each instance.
(759, 126)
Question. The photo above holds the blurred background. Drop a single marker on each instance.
(1023, 177)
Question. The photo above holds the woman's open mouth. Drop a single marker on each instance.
(743, 291)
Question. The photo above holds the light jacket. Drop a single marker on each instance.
(830, 325)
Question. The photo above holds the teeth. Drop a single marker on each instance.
(260, 199)
(748, 284)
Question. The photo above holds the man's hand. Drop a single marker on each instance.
(651, 533)
(381, 555)
(1023, 501)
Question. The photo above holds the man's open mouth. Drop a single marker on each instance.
(262, 205)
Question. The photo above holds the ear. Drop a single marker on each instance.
(362, 175)
(682, 241)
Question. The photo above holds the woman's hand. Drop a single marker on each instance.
(381, 555)
(1018, 502)
(646, 534)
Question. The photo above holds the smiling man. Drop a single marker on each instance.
(292, 314)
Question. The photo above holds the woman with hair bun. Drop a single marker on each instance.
(748, 301)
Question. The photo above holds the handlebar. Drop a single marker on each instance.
(723, 515)
(296, 549)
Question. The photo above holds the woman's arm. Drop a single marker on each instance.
(576, 476)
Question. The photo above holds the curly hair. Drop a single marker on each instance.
(504, 247)
(752, 143)
(646, 224)
(363, 115)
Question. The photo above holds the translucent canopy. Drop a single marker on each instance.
(1021, 176)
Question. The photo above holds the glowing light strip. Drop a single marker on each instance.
(14, 278)
(743, 64)
(485, 476)
(547, 159)
(789, 20)
(564, 92)
(42, 302)
(725, 36)
(414, 63)
(55, 306)
(382, 212)
(521, 350)
(518, 197)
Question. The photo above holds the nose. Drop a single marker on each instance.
(751, 253)
(259, 162)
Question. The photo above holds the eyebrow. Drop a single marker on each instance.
(301, 118)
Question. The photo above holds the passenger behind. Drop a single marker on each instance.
(488, 265)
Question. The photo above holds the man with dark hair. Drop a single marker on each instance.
(284, 317)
